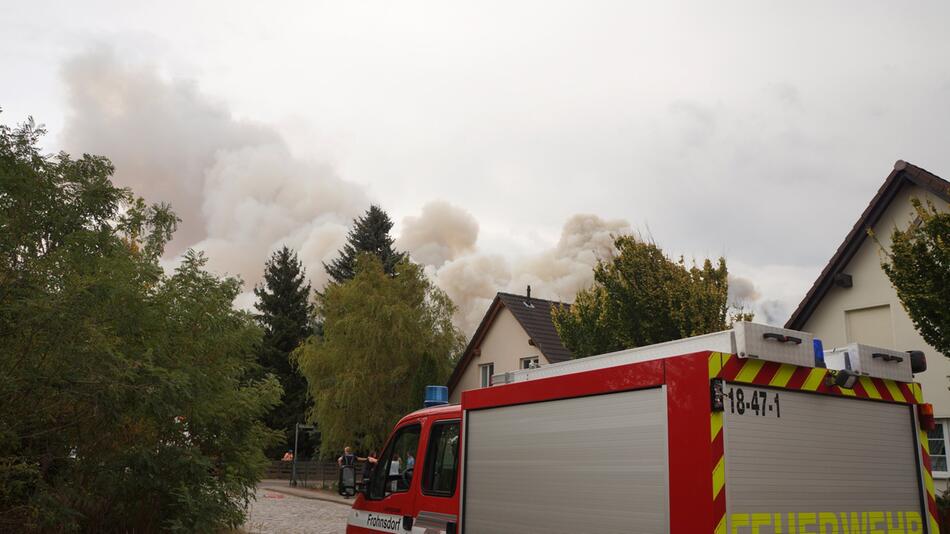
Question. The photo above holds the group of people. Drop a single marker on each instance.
(396, 468)
(350, 459)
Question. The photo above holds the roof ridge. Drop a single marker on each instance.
(902, 172)
(507, 294)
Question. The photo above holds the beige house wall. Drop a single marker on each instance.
(505, 344)
(870, 312)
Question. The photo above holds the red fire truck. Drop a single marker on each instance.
(754, 430)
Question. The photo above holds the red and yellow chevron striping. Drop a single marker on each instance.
(762, 373)
(929, 482)
(718, 454)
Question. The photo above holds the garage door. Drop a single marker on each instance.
(802, 462)
(590, 464)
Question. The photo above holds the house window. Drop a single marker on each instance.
(529, 363)
(486, 371)
(937, 441)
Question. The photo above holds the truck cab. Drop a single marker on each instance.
(414, 486)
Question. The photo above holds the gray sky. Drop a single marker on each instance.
(754, 130)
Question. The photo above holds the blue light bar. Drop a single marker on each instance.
(436, 395)
(819, 354)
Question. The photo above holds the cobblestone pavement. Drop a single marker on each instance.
(277, 513)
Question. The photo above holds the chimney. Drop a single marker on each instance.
(529, 296)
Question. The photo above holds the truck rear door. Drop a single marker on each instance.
(802, 462)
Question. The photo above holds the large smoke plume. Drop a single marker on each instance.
(442, 232)
(235, 184)
(241, 193)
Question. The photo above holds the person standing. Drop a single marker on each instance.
(347, 463)
(348, 458)
(371, 460)
(394, 472)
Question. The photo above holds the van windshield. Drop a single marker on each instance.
(393, 473)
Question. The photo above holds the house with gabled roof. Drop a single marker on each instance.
(853, 301)
(517, 332)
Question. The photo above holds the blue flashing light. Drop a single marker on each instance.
(819, 354)
(436, 395)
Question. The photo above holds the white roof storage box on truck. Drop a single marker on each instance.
(780, 345)
(736, 432)
(871, 361)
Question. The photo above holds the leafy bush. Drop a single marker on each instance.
(641, 297)
(125, 397)
(918, 264)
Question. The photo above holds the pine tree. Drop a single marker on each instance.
(287, 317)
(370, 233)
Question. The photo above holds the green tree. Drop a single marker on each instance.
(383, 336)
(286, 314)
(126, 399)
(641, 297)
(370, 234)
(918, 264)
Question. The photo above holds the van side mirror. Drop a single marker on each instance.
(918, 361)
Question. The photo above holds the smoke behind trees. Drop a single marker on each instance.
(238, 189)
(444, 239)
(242, 193)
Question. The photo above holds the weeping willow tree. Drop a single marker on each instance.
(384, 339)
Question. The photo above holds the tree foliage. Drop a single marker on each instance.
(385, 337)
(125, 402)
(286, 314)
(918, 265)
(370, 234)
(641, 297)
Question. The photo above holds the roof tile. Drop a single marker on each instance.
(535, 318)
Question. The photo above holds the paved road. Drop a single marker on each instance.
(277, 513)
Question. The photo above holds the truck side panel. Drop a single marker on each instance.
(570, 465)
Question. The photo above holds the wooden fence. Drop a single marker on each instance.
(313, 473)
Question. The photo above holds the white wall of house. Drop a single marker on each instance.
(870, 313)
(504, 346)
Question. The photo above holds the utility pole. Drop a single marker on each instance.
(293, 467)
